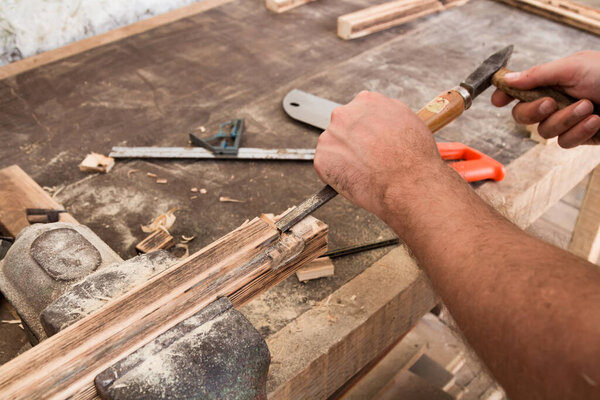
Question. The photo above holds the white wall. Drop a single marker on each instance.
(28, 27)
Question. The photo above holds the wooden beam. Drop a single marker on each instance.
(280, 6)
(65, 364)
(19, 192)
(384, 16)
(539, 179)
(586, 235)
(114, 35)
(335, 339)
(567, 12)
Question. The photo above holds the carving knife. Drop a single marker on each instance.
(438, 113)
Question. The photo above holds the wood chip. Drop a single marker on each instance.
(194, 190)
(151, 175)
(95, 162)
(185, 247)
(131, 172)
(163, 222)
(227, 199)
(187, 239)
(203, 191)
(161, 180)
(193, 197)
(11, 321)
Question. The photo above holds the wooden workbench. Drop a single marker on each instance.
(235, 59)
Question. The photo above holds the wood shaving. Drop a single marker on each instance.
(151, 175)
(194, 190)
(131, 172)
(11, 321)
(203, 191)
(227, 199)
(185, 247)
(163, 222)
(193, 197)
(162, 180)
(187, 239)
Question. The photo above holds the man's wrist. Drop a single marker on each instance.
(407, 199)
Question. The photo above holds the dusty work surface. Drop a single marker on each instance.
(235, 61)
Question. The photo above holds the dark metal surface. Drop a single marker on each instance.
(481, 78)
(345, 251)
(306, 208)
(214, 354)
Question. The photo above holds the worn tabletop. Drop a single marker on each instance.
(238, 61)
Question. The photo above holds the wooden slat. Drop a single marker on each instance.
(567, 12)
(19, 192)
(114, 35)
(377, 18)
(280, 6)
(586, 235)
(66, 364)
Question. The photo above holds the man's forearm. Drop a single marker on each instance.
(525, 306)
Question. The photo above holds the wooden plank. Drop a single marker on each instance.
(280, 6)
(567, 12)
(336, 338)
(407, 385)
(155, 241)
(319, 268)
(539, 179)
(66, 364)
(380, 17)
(114, 35)
(19, 192)
(586, 235)
(368, 382)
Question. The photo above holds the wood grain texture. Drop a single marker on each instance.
(66, 364)
(585, 241)
(280, 6)
(383, 16)
(564, 11)
(114, 35)
(539, 179)
(19, 192)
(335, 339)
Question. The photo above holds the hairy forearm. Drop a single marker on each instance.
(528, 308)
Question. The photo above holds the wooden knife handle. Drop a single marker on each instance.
(562, 99)
(442, 110)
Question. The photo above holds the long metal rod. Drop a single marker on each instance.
(305, 208)
(344, 251)
(244, 153)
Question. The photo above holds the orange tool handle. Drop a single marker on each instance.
(474, 165)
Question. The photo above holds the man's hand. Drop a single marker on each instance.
(375, 148)
(579, 76)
